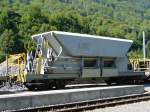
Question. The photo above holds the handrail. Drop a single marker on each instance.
(140, 64)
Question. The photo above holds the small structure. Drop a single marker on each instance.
(14, 69)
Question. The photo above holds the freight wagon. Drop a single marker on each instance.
(63, 56)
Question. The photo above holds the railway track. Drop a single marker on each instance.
(89, 105)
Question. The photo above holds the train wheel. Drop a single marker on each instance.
(108, 82)
(1, 83)
(50, 86)
(44, 86)
(60, 84)
(31, 87)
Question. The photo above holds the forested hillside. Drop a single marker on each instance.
(19, 19)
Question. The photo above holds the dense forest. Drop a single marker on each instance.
(19, 19)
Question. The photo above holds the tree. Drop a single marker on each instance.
(148, 49)
(31, 22)
(4, 21)
(7, 41)
(2, 56)
(115, 18)
(69, 21)
(9, 20)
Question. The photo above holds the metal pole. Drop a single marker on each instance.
(144, 51)
(8, 76)
(6, 67)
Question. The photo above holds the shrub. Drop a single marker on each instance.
(2, 57)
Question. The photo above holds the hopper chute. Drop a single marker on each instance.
(75, 44)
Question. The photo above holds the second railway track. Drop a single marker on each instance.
(89, 105)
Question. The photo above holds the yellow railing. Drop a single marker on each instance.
(21, 76)
(15, 65)
(140, 64)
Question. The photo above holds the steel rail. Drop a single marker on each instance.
(89, 105)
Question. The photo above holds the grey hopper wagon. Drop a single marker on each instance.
(63, 56)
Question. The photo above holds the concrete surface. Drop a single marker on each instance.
(147, 87)
(143, 106)
(43, 98)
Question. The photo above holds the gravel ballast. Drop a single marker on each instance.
(7, 89)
